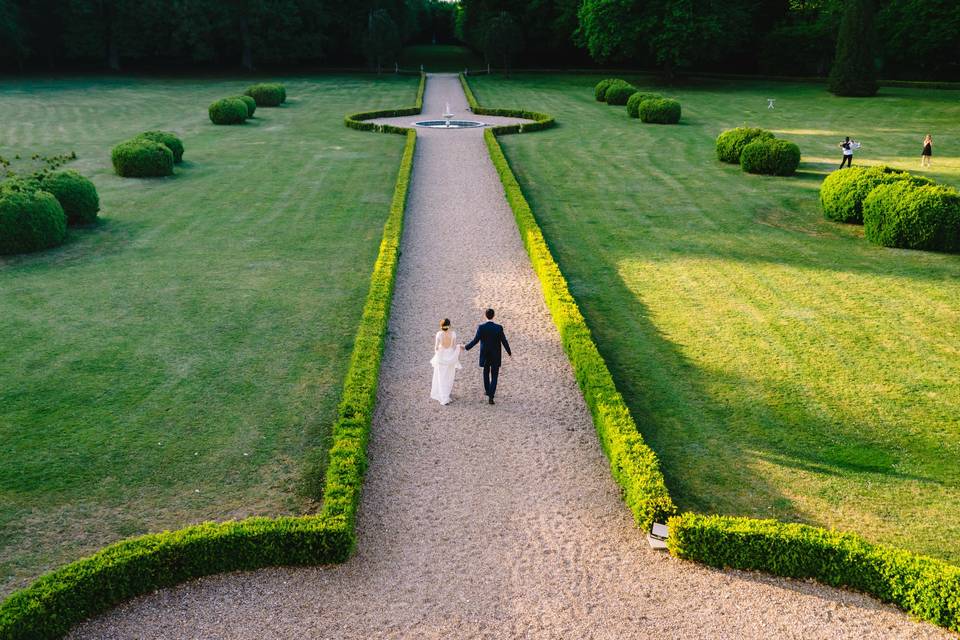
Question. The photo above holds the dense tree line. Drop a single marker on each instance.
(909, 38)
(248, 33)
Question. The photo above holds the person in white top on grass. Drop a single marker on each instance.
(848, 146)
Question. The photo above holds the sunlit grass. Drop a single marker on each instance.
(172, 364)
(779, 363)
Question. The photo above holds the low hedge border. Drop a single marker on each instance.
(925, 587)
(359, 120)
(633, 464)
(540, 120)
(50, 606)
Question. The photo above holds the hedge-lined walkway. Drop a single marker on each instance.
(488, 521)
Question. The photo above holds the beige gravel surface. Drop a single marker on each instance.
(490, 522)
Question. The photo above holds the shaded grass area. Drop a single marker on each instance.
(779, 364)
(440, 58)
(172, 363)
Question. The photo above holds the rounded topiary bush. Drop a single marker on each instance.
(731, 142)
(619, 92)
(283, 93)
(251, 105)
(30, 220)
(228, 111)
(267, 94)
(633, 102)
(141, 158)
(76, 194)
(770, 156)
(660, 111)
(167, 139)
(843, 192)
(911, 216)
(600, 90)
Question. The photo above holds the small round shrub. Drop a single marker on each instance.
(283, 93)
(600, 90)
(911, 216)
(251, 105)
(228, 111)
(619, 92)
(76, 194)
(267, 94)
(731, 142)
(660, 111)
(633, 102)
(30, 220)
(140, 158)
(167, 139)
(770, 156)
(843, 192)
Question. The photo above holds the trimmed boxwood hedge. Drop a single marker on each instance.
(842, 192)
(76, 194)
(251, 105)
(911, 216)
(600, 90)
(731, 142)
(51, 605)
(228, 111)
(359, 120)
(540, 120)
(167, 139)
(633, 464)
(140, 158)
(659, 111)
(30, 220)
(619, 92)
(267, 94)
(633, 103)
(925, 587)
(770, 156)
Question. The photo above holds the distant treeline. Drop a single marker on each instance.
(914, 39)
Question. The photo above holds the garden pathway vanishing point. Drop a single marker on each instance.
(480, 521)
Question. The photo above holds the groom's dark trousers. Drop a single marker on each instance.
(491, 337)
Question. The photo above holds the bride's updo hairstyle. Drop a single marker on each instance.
(445, 324)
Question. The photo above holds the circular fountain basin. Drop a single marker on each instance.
(452, 124)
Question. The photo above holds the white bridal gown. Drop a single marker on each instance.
(446, 361)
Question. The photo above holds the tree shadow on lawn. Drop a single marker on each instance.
(713, 447)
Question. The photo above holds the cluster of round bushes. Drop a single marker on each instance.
(34, 213)
(229, 111)
(649, 107)
(897, 209)
(267, 94)
(152, 154)
(758, 151)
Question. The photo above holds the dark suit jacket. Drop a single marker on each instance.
(490, 336)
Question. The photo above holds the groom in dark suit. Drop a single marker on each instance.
(490, 336)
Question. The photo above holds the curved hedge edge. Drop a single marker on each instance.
(925, 587)
(633, 464)
(540, 120)
(359, 120)
(54, 603)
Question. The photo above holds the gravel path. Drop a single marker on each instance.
(492, 522)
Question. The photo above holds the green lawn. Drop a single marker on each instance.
(440, 58)
(172, 364)
(779, 364)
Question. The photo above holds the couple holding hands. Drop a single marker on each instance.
(446, 358)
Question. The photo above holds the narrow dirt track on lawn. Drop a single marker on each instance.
(490, 521)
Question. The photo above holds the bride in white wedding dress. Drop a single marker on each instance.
(446, 361)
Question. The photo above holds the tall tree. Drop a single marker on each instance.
(673, 33)
(502, 39)
(382, 39)
(854, 71)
